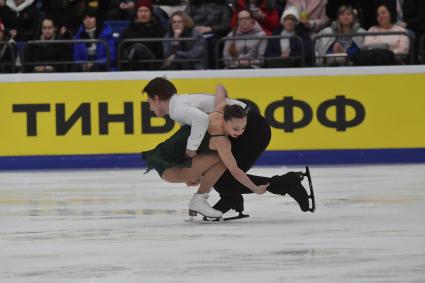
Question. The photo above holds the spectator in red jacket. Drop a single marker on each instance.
(264, 11)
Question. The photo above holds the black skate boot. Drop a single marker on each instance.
(290, 184)
(228, 202)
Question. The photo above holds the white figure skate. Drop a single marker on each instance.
(199, 204)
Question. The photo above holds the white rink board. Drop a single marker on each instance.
(124, 226)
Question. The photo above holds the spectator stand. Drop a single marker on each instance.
(266, 61)
(3, 64)
(158, 61)
(65, 42)
(343, 58)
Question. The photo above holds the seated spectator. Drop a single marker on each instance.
(363, 9)
(45, 53)
(398, 44)
(120, 9)
(94, 28)
(212, 20)
(66, 14)
(245, 53)
(144, 25)
(22, 19)
(345, 23)
(181, 26)
(264, 11)
(312, 13)
(288, 49)
(5, 50)
(209, 16)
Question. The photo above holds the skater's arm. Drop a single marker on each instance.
(220, 97)
(223, 147)
(198, 121)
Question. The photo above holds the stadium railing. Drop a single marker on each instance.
(264, 60)
(126, 42)
(25, 63)
(317, 60)
(11, 46)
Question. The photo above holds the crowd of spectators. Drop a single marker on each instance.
(84, 35)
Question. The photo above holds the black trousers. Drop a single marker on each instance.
(246, 149)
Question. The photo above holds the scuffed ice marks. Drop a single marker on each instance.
(82, 271)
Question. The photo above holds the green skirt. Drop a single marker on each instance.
(170, 153)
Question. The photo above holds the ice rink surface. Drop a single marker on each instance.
(124, 226)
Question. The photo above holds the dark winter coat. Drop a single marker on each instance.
(6, 54)
(146, 30)
(274, 49)
(211, 14)
(42, 53)
(26, 22)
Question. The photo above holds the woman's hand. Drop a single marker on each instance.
(177, 33)
(337, 48)
(192, 183)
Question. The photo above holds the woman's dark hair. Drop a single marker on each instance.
(47, 19)
(233, 111)
(93, 13)
(161, 87)
(392, 11)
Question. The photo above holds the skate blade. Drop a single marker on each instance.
(311, 200)
(205, 220)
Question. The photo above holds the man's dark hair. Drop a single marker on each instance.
(161, 87)
(233, 111)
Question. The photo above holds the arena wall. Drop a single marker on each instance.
(318, 115)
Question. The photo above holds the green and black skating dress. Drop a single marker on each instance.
(171, 153)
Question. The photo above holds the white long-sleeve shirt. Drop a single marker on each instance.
(193, 110)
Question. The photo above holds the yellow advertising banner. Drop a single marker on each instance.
(314, 112)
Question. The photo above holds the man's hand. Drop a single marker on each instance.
(190, 153)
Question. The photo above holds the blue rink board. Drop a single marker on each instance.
(269, 158)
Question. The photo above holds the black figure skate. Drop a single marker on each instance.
(312, 203)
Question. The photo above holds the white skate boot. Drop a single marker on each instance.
(199, 204)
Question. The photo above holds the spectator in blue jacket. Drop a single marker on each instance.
(95, 55)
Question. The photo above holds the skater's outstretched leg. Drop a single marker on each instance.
(290, 183)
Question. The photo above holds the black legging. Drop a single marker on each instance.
(246, 149)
